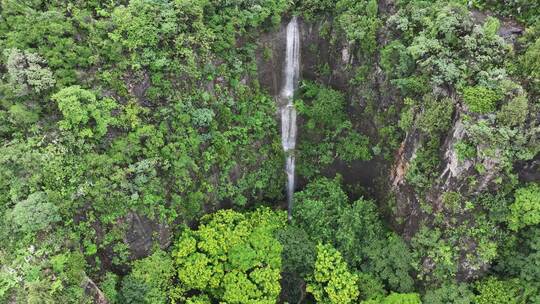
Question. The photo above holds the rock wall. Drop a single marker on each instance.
(324, 48)
(328, 59)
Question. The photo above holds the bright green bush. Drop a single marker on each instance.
(109, 287)
(525, 210)
(494, 291)
(397, 298)
(465, 150)
(480, 99)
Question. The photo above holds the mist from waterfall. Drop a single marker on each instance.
(291, 74)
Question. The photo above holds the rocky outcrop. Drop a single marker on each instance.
(529, 171)
(407, 210)
(323, 58)
(143, 233)
(93, 291)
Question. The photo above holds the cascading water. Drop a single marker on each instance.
(288, 112)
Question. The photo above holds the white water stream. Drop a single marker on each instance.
(291, 74)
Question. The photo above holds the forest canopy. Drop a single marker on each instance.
(142, 156)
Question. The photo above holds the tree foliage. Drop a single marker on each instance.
(480, 99)
(28, 72)
(35, 213)
(84, 113)
(127, 124)
(525, 210)
(232, 257)
(332, 282)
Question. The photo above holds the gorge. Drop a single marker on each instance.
(270, 151)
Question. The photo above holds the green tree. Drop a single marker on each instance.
(109, 287)
(28, 72)
(35, 213)
(155, 273)
(355, 229)
(133, 291)
(360, 22)
(514, 113)
(298, 260)
(83, 112)
(232, 257)
(450, 293)
(397, 298)
(329, 134)
(525, 210)
(530, 63)
(332, 282)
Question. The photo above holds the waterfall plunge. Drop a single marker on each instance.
(288, 112)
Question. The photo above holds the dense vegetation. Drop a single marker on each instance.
(141, 162)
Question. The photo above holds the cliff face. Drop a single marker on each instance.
(328, 58)
(501, 154)
(317, 50)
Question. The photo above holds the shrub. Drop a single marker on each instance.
(396, 61)
(353, 146)
(480, 99)
(298, 251)
(515, 112)
(450, 293)
(525, 210)
(494, 291)
(156, 273)
(133, 291)
(397, 298)
(109, 288)
(436, 115)
(530, 63)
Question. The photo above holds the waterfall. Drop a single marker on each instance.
(291, 73)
